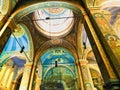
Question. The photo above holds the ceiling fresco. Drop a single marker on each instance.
(61, 75)
(59, 71)
(15, 43)
(113, 7)
(64, 72)
(63, 58)
(53, 21)
(17, 40)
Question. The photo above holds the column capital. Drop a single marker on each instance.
(84, 12)
(83, 61)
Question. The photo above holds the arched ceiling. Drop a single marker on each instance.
(59, 71)
(18, 43)
(56, 22)
(61, 55)
(17, 40)
(65, 66)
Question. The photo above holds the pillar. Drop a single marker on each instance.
(87, 79)
(106, 58)
(26, 77)
(32, 75)
(79, 52)
(109, 39)
(9, 83)
(6, 77)
(80, 80)
(38, 83)
(2, 72)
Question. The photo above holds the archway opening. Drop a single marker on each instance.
(58, 70)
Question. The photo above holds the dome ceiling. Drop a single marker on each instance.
(54, 22)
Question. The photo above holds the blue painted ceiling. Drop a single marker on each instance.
(61, 55)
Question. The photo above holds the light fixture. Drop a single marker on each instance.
(56, 63)
(84, 44)
(22, 48)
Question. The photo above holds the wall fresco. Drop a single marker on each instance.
(109, 33)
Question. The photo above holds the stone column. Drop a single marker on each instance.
(9, 83)
(32, 75)
(2, 72)
(79, 52)
(6, 77)
(80, 80)
(87, 79)
(26, 77)
(38, 83)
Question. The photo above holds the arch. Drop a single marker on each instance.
(18, 14)
(55, 43)
(65, 76)
(59, 66)
(21, 12)
(30, 41)
(60, 52)
(18, 60)
(21, 34)
(30, 7)
(49, 56)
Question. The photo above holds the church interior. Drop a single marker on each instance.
(59, 44)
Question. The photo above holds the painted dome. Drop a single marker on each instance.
(54, 22)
